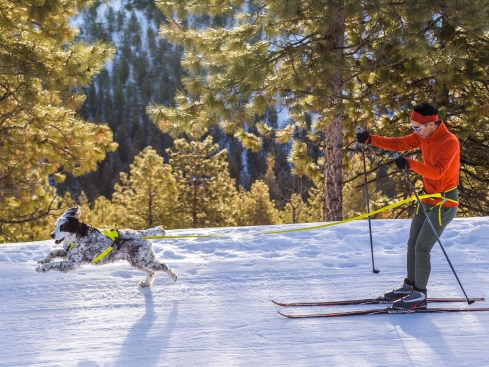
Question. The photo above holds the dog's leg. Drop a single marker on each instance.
(148, 281)
(157, 265)
(59, 252)
(63, 266)
(150, 276)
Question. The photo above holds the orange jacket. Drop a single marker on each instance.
(441, 159)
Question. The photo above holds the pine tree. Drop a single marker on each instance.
(254, 207)
(447, 66)
(145, 68)
(205, 188)
(41, 73)
(294, 211)
(148, 196)
(303, 56)
(105, 215)
(314, 208)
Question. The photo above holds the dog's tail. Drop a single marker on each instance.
(156, 231)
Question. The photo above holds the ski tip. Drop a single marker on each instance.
(295, 316)
(280, 303)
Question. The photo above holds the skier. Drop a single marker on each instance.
(440, 171)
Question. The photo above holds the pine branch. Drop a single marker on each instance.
(32, 216)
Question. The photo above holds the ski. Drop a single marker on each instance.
(366, 301)
(381, 311)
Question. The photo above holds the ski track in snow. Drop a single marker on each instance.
(219, 312)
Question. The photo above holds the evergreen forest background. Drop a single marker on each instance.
(143, 169)
(145, 70)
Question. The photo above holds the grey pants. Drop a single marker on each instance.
(421, 241)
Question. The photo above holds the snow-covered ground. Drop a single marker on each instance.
(219, 312)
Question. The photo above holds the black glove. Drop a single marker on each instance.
(363, 137)
(402, 163)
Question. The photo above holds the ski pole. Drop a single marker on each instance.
(360, 130)
(395, 156)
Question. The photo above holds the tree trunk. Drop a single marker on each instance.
(333, 144)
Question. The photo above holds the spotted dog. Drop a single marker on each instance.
(83, 244)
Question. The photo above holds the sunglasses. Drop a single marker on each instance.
(417, 129)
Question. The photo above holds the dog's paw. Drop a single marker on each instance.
(43, 268)
(43, 261)
(143, 283)
(174, 277)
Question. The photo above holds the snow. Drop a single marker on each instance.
(219, 312)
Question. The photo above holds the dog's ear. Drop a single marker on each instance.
(72, 213)
(71, 225)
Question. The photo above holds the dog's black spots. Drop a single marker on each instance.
(73, 225)
(83, 245)
(133, 252)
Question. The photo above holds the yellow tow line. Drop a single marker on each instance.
(362, 216)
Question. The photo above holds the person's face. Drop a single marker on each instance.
(423, 130)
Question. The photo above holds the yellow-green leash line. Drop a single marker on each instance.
(362, 216)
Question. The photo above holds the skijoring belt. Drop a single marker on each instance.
(450, 195)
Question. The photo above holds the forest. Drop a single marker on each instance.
(211, 114)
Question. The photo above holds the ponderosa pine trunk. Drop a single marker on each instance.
(333, 144)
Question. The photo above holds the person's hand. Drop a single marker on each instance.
(402, 163)
(363, 137)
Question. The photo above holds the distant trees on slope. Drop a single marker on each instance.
(193, 190)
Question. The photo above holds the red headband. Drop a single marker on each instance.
(417, 117)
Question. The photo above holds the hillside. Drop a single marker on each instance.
(146, 69)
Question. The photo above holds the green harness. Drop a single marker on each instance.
(113, 234)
